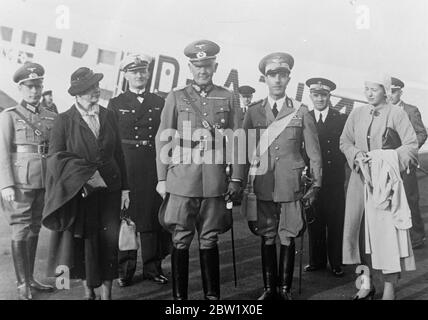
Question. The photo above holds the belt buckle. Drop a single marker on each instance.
(42, 149)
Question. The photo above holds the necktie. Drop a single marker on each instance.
(91, 118)
(275, 110)
(320, 119)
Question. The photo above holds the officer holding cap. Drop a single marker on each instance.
(138, 112)
(278, 188)
(245, 98)
(326, 229)
(24, 140)
(417, 232)
(195, 188)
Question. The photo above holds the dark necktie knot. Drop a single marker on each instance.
(275, 110)
(374, 113)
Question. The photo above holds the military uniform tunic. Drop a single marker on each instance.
(195, 189)
(23, 165)
(279, 190)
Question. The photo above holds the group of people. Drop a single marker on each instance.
(78, 172)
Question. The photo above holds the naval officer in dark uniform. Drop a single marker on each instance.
(195, 190)
(417, 232)
(245, 99)
(138, 112)
(24, 139)
(326, 229)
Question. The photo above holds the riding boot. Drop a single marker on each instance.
(20, 262)
(270, 273)
(31, 251)
(180, 273)
(210, 270)
(286, 269)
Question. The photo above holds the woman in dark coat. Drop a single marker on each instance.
(85, 144)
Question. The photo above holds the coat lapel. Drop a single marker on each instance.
(285, 110)
(77, 117)
(267, 110)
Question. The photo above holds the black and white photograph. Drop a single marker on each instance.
(230, 150)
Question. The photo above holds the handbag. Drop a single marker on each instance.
(390, 139)
(95, 183)
(129, 238)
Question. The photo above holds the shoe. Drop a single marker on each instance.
(370, 295)
(338, 272)
(311, 268)
(34, 284)
(159, 278)
(123, 282)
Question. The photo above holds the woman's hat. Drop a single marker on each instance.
(382, 79)
(82, 79)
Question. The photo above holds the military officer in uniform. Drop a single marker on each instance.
(195, 191)
(138, 112)
(24, 139)
(245, 99)
(417, 232)
(326, 229)
(278, 190)
(47, 101)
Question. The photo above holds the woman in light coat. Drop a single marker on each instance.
(363, 132)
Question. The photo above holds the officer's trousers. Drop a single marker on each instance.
(208, 216)
(410, 181)
(283, 219)
(24, 214)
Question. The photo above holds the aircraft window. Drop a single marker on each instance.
(79, 49)
(29, 38)
(106, 57)
(6, 33)
(54, 44)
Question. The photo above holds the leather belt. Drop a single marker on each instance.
(31, 148)
(138, 143)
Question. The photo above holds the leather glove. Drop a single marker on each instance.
(8, 194)
(253, 227)
(311, 196)
(125, 199)
(233, 191)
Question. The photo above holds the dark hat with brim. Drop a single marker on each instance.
(320, 85)
(246, 90)
(47, 93)
(83, 79)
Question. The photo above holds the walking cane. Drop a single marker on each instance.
(229, 206)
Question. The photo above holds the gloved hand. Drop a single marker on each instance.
(311, 196)
(253, 227)
(125, 200)
(161, 188)
(8, 194)
(233, 191)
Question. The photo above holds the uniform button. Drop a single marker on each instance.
(329, 162)
(204, 103)
(277, 158)
(221, 109)
(328, 151)
(187, 109)
(150, 136)
(276, 148)
(205, 114)
(150, 119)
(150, 110)
(105, 229)
(133, 111)
(368, 137)
(136, 137)
(328, 141)
(137, 145)
(136, 128)
(150, 128)
(222, 121)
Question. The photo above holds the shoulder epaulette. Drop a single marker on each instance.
(255, 102)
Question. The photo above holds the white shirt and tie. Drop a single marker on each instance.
(138, 92)
(321, 114)
(276, 104)
(91, 117)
